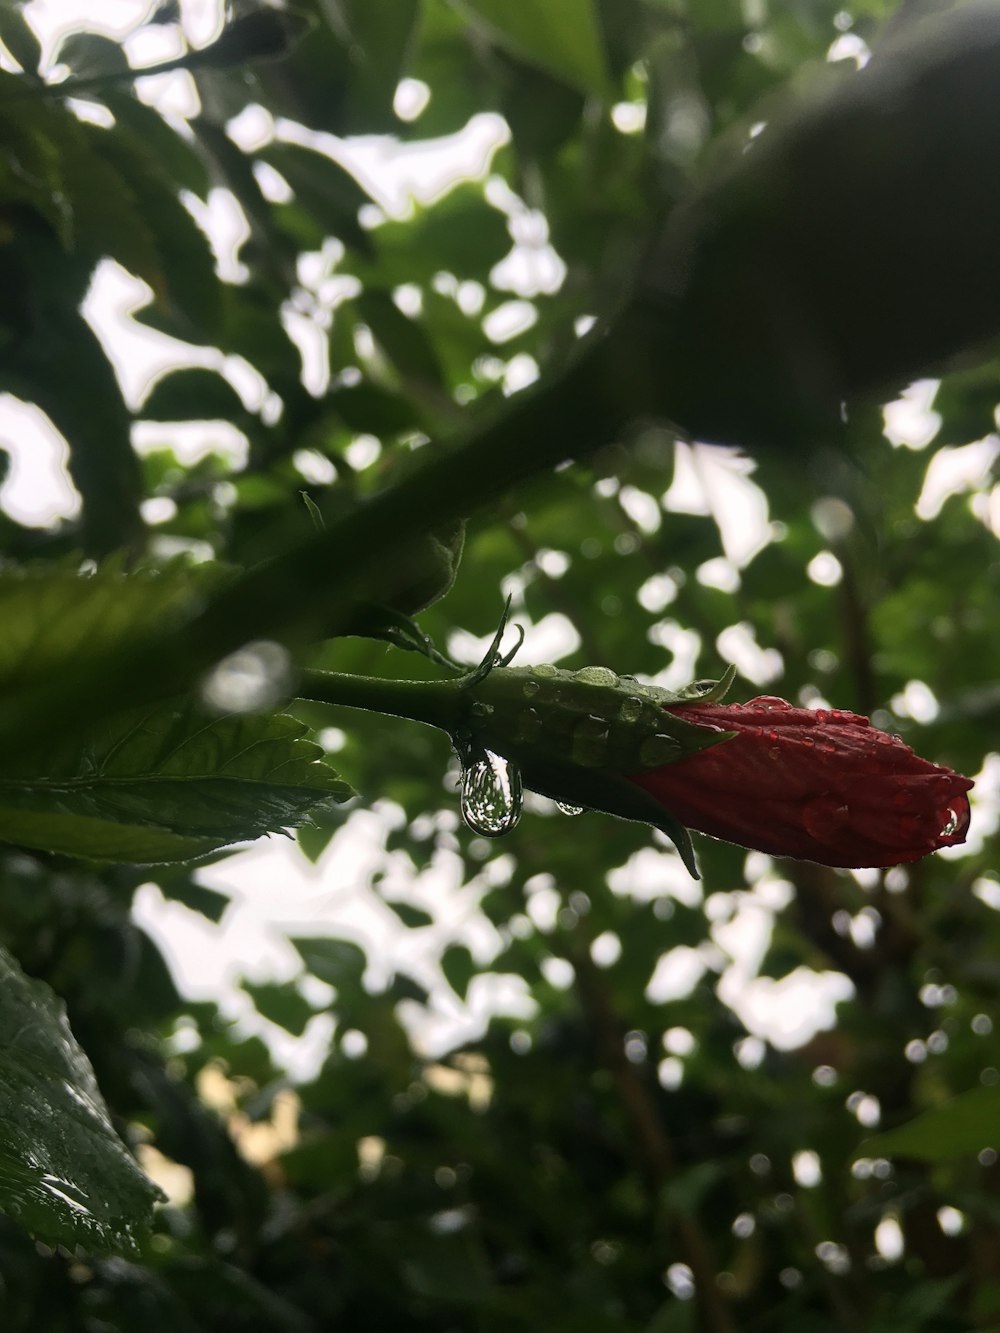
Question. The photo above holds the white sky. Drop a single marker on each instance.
(275, 891)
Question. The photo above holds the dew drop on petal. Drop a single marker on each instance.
(491, 792)
(825, 817)
(569, 809)
(768, 701)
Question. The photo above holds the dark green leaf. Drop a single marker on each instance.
(459, 967)
(338, 962)
(963, 1126)
(280, 1003)
(412, 917)
(64, 1173)
(563, 37)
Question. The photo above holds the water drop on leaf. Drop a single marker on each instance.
(569, 809)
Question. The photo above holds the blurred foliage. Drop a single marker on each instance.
(601, 1141)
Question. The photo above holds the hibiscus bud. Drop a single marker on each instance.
(824, 786)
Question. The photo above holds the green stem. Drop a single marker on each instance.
(309, 591)
(438, 703)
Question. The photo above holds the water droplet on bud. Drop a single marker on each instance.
(491, 792)
(545, 669)
(658, 750)
(529, 725)
(825, 817)
(481, 709)
(768, 701)
(595, 675)
(569, 809)
(589, 745)
(530, 688)
(631, 709)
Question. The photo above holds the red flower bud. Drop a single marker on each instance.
(824, 786)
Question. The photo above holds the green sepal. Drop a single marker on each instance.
(610, 793)
(704, 691)
(526, 713)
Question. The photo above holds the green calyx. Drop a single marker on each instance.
(589, 719)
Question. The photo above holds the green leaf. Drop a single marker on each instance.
(412, 917)
(56, 619)
(340, 963)
(325, 188)
(562, 37)
(64, 1173)
(193, 394)
(253, 32)
(19, 39)
(166, 784)
(281, 1003)
(381, 32)
(461, 234)
(459, 967)
(961, 1127)
(89, 55)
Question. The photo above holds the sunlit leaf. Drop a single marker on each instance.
(166, 784)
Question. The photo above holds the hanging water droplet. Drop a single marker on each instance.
(955, 824)
(658, 750)
(481, 709)
(529, 725)
(569, 809)
(595, 675)
(590, 742)
(491, 793)
(631, 709)
(545, 669)
(530, 688)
